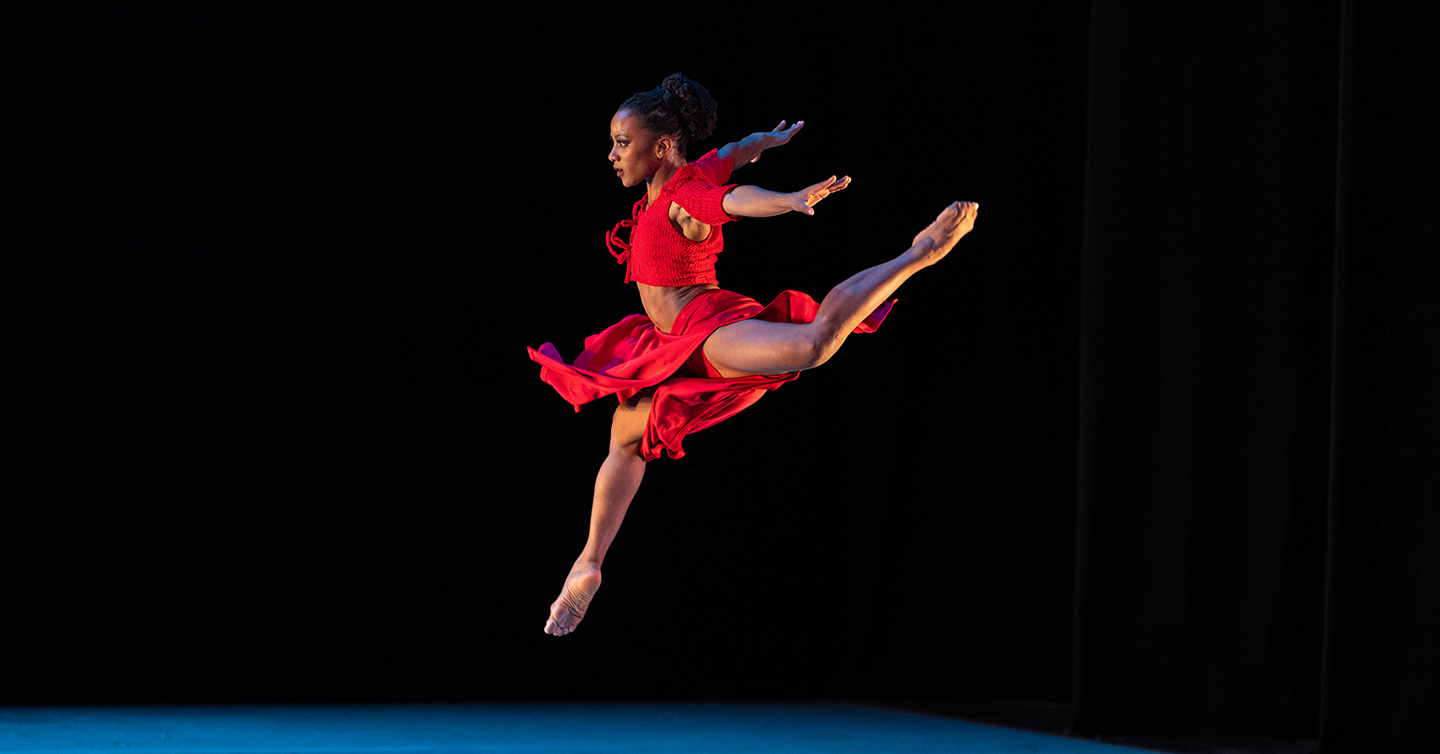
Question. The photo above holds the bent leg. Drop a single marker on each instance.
(615, 487)
(759, 347)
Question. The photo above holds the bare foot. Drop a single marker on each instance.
(932, 244)
(580, 586)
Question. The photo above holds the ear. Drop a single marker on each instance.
(664, 146)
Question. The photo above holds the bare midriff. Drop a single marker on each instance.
(663, 305)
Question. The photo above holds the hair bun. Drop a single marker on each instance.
(678, 106)
(692, 105)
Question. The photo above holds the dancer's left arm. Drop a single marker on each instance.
(753, 201)
(748, 149)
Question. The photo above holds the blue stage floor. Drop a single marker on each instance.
(531, 728)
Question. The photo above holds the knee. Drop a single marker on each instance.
(627, 427)
(625, 446)
(625, 439)
(817, 347)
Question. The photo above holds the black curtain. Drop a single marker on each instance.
(1382, 650)
(1258, 451)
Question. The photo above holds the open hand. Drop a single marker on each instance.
(778, 137)
(805, 200)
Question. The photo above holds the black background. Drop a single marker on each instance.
(1158, 441)
(277, 437)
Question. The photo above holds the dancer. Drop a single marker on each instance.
(700, 354)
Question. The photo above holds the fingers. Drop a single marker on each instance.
(806, 199)
(830, 185)
(818, 191)
(785, 133)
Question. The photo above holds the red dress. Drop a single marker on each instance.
(634, 354)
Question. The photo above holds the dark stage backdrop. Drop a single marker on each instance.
(1259, 470)
(275, 436)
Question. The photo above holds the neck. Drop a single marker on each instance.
(662, 176)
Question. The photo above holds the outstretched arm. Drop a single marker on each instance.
(753, 201)
(748, 149)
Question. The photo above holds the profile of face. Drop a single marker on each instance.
(635, 152)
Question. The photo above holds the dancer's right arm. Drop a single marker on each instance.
(748, 149)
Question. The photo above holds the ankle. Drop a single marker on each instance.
(585, 561)
(921, 255)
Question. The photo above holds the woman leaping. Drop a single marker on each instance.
(700, 354)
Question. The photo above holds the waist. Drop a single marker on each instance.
(663, 304)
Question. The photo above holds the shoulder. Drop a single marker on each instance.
(687, 174)
(715, 168)
(710, 171)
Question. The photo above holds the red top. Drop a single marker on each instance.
(657, 254)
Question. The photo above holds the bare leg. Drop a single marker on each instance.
(615, 487)
(749, 347)
(759, 347)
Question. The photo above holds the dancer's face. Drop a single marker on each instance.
(635, 152)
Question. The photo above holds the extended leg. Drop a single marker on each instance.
(759, 347)
(615, 486)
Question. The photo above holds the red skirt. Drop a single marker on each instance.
(690, 394)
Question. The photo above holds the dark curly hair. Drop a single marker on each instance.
(679, 108)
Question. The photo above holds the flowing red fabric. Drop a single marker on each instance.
(690, 394)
